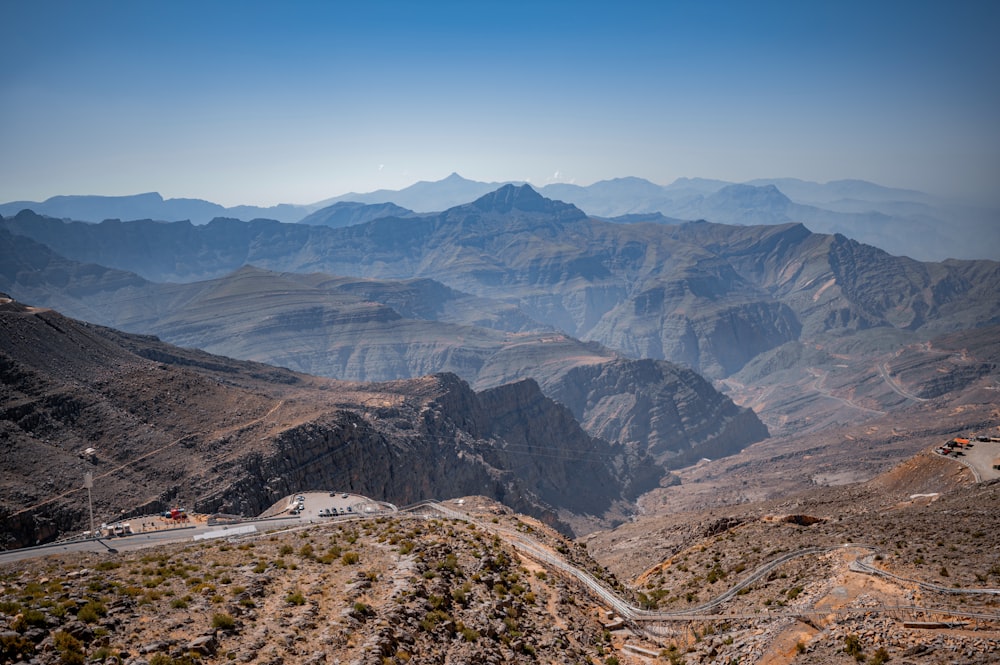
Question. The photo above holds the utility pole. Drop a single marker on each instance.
(88, 482)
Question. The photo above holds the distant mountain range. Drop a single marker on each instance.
(638, 341)
(506, 287)
(900, 221)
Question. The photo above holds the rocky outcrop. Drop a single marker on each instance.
(510, 443)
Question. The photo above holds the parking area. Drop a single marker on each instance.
(324, 505)
(981, 456)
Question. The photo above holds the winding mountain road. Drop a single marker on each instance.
(883, 371)
(535, 550)
(634, 613)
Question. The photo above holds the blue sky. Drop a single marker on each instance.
(267, 102)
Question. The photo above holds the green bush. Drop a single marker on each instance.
(880, 657)
(91, 612)
(29, 618)
(361, 611)
(852, 647)
(70, 649)
(14, 648)
(295, 598)
(103, 653)
(221, 621)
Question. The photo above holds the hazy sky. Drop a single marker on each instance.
(267, 102)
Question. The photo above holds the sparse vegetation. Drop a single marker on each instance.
(223, 621)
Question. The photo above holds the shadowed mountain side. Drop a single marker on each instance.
(836, 284)
(170, 424)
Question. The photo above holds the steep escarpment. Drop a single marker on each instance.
(165, 424)
(555, 457)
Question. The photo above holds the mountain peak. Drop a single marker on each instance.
(523, 198)
(753, 195)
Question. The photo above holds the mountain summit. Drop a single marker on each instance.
(524, 199)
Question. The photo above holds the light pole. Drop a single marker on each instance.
(88, 482)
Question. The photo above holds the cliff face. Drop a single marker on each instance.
(172, 425)
(672, 413)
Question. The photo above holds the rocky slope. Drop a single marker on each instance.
(652, 406)
(408, 589)
(170, 425)
(924, 520)
(398, 589)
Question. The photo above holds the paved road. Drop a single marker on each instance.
(636, 614)
(866, 565)
(883, 371)
(138, 541)
(278, 517)
(820, 378)
(520, 541)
